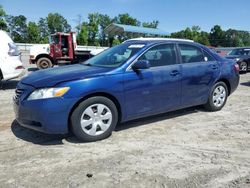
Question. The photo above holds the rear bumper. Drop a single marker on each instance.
(15, 74)
(14, 69)
(234, 82)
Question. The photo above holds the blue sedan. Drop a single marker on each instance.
(138, 78)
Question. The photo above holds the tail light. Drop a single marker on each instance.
(13, 51)
(236, 67)
(19, 67)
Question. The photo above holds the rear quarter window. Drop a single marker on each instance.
(207, 56)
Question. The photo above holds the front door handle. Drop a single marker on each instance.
(174, 73)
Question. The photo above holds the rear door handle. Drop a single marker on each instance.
(214, 67)
(174, 73)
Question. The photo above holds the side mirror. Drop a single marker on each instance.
(141, 64)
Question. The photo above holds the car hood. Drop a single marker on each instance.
(53, 76)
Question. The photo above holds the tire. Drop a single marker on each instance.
(44, 63)
(94, 119)
(243, 67)
(1, 75)
(217, 97)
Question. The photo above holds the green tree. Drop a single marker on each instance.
(236, 38)
(18, 27)
(217, 36)
(185, 34)
(245, 37)
(115, 42)
(153, 24)
(204, 38)
(3, 24)
(82, 37)
(44, 30)
(104, 21)
(127, 20)
(33, 33)
(193, 33)
(57, 23)
(93, 29)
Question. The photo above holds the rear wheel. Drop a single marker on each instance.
(44, 63)
(243, 66)
(218, 97)
(1, 75)
(94, 119)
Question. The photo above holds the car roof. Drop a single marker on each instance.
(148, 40)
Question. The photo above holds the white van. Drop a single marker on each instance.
(10, 64)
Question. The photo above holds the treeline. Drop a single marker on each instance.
(217, 37)
(91, 31)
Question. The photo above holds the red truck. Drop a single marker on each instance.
(61, 49)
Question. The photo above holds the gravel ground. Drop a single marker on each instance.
(185, 148)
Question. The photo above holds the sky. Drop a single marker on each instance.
(173, 15)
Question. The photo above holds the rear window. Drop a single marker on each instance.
(190, 54)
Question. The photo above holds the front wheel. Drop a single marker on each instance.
(44, 63)
(218, 97)
(94, 119)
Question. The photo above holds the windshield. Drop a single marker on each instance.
(239, 52)
(54, 39)
(115, 56)
(234, 52)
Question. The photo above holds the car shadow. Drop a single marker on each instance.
(157, 118)
(34, 136)
(8, 84)
(246, 84)
(48, 139)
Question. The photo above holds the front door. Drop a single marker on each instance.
(156, 89)
(56, 47)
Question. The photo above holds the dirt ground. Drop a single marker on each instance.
(186, 148)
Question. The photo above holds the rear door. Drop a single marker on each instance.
(155, 89)
(199, 72)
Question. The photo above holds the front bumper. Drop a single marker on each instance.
(46, 115)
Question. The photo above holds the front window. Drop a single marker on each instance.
(115, 56)
(160, 55)
(54, 39)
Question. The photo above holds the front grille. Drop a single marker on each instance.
(18, 94)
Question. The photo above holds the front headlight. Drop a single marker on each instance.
(237, 59)
(48, 93)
